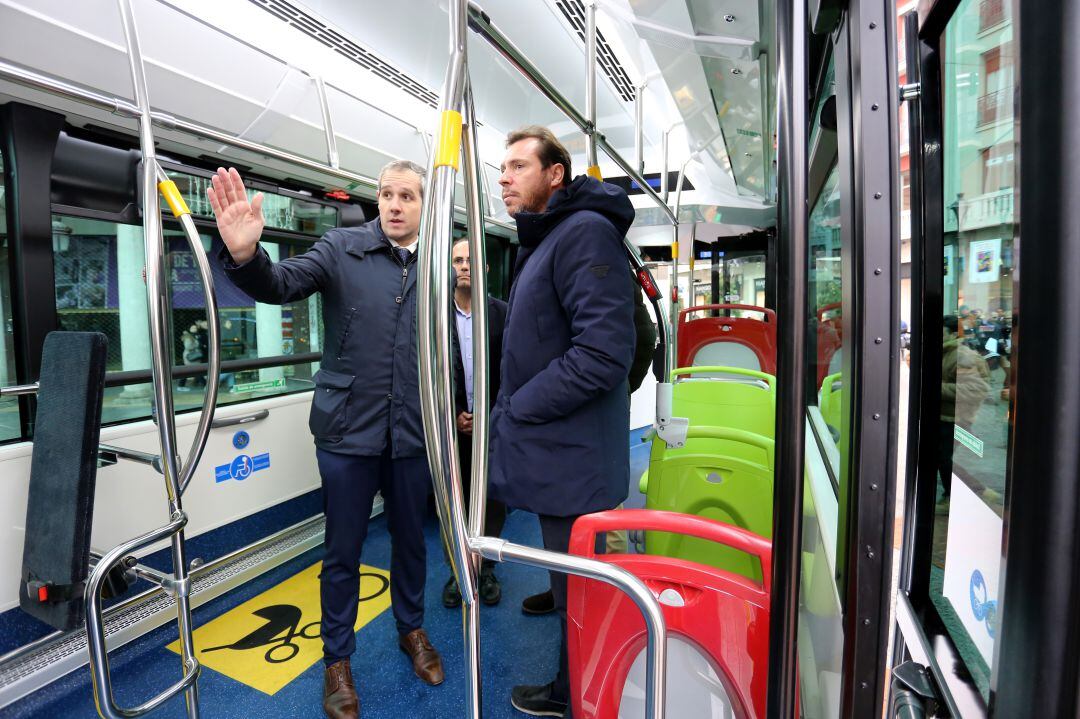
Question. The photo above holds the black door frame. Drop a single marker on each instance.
(868, 148)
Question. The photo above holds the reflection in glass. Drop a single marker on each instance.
(9, 406)
(973, 435)
(825, 287)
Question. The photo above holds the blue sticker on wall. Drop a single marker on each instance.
(984, 608)
(241, 439)
(241, 467)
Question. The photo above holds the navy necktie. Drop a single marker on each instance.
(402, 255)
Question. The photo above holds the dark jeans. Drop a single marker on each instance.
(556, 534)
(494, 511)
(349, 485)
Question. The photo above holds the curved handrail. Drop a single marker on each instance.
(733, 434)
(213, 323)
(763, 376)
(583, 536)
(161, 366)
(95, 628)
(770, 315)
(436, 382)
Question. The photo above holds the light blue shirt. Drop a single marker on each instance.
(464, 333)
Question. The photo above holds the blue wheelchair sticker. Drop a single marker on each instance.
(984, 608)
(241, 439)
(241, 467)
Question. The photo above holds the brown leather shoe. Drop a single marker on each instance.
(426, 662)
(339, 693)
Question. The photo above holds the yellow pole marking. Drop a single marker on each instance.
(270, 640)
(172, 195)
(594, 171)
(448, 153)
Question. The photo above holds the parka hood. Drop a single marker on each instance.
(584, 193)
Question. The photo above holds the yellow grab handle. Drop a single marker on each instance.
(448, 153)
(172, 195)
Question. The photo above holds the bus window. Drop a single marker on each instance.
(280, 211)
(100, 287)
(978, 79)
(9, 406)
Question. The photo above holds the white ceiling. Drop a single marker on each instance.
(232, 65)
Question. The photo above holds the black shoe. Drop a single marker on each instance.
(490, 590)
(537, 701)
(451, 595)
(542, 603)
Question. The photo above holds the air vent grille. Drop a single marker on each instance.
(574, 11)
(334, 40)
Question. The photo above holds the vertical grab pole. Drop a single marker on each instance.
(639, 129)
(433, 338)
(593, 168)
(160, 346)
(664, 167)
(791, 369)
(481, 386)
(332, 156)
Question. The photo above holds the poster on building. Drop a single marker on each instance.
(983, 261)
(950, 264)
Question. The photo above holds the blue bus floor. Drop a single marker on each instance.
(516, 649)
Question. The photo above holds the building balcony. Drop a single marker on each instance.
(993, 208)
(995, 106)
(991, 14)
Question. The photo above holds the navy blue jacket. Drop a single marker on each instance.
(368, 386)
(560, 428)
(496, 318)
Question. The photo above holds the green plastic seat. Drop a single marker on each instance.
(739, 398)
(721, 473)
(830, 398)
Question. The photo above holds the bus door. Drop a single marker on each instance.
(990, 483)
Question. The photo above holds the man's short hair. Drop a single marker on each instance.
(403, 166)
(550, 150)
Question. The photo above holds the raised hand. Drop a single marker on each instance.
(240, 222)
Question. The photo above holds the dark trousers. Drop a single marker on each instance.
(349, 485)
(556, 534)
(494, 511)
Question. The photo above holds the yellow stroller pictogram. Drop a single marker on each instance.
(268, 641)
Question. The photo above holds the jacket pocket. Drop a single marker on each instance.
(330, 405)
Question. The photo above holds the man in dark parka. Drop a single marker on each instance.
(561, 424)
(365, 412)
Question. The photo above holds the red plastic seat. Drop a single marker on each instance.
(723, 616)
(830, 339)
(757, 335)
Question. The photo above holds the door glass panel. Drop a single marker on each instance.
(826, 351)
(974, 427)
(821, 634)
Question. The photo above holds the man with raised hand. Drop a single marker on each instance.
(365, 412)
(560, 430)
